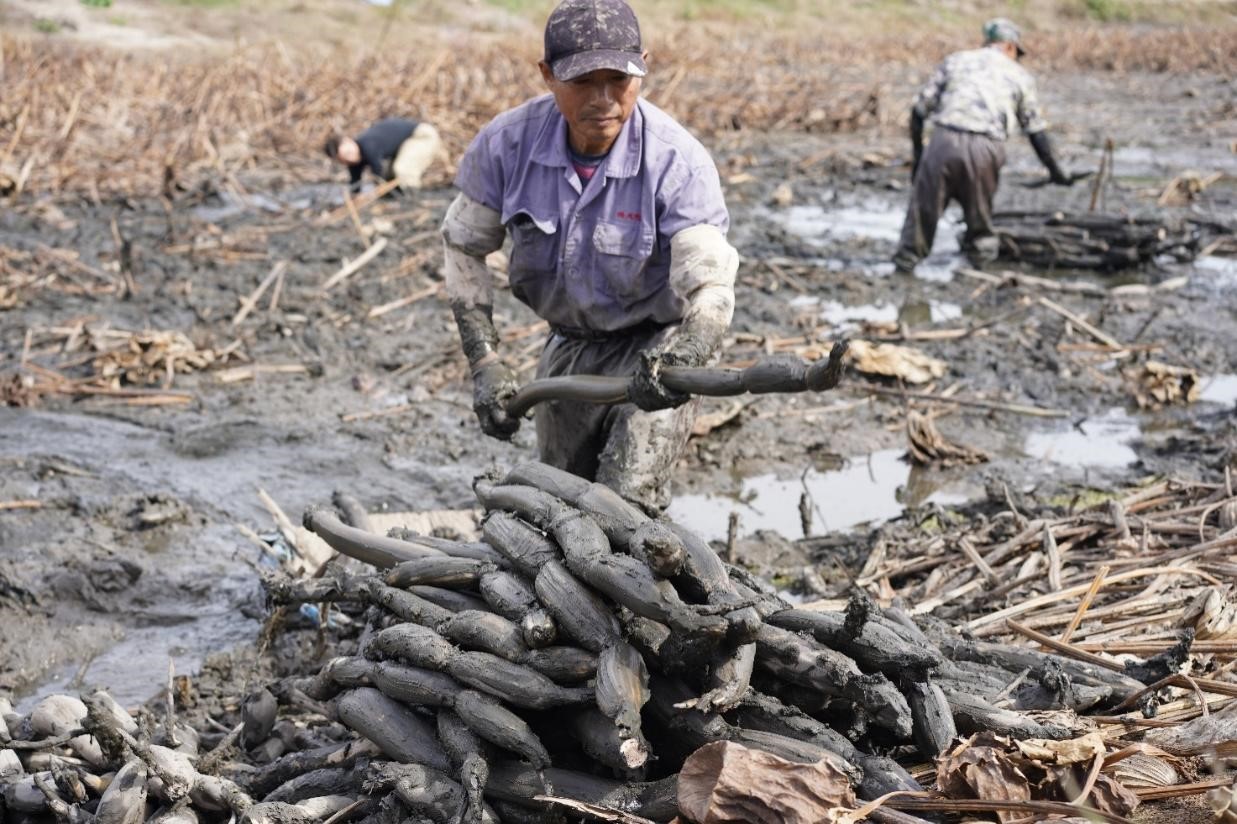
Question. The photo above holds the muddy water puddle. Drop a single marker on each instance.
(872, 221)
(883, 485)
(196, 587)
(876, 222)
(1214, 273)
(132, 668)
(1220, 389)
(848, 316)
(868, 489)
(1103, 442)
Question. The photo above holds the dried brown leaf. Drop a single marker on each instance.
(1155, 384)
(1111, 796)
(1073, 751)
(1224, 802)
(928, 447)
(727, 783)
(892, 361)
(709, 421)
(1213, 613)
(973, 770)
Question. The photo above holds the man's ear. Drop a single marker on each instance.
(547, 74)
(645, 57)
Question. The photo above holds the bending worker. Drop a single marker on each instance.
(618, 230)
(393, 149)
(973, 99)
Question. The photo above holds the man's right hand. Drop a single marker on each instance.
(492, 384)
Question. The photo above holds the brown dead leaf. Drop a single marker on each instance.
(928, 447)
(991, 767)
(709, 421)
(1109, 795)
(727, 783)
(1213, 613)
(1155, 384)
(892, 361)
(782, 196)
(971, 770)
(1224, 802)
(1187, 186)
(17, 390)
(145, 358)
(1073, 751)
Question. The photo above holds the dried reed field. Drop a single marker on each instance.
(102, 123)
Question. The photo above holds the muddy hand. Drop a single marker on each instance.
(647, 390)
(493, 384)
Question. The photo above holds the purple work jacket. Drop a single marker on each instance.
(596, 255)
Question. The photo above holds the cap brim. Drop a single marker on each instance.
(581, 63)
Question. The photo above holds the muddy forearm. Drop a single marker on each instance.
(478, 335)
(470, 231)
(1043, 150)
(702, 271)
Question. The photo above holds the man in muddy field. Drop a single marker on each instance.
(393, 149)
(973, 101)
(618, 230)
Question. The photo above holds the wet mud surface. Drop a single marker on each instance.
(135, 557)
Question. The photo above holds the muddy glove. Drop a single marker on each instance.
(493, 381)
(682, 349)
(1043, 150)
(492, 384)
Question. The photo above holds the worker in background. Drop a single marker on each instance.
(393, 149)
(974, 99)
(618, 230)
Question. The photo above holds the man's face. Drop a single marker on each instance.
(349, 152)
(595, 106)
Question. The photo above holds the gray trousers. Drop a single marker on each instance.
(959, 166)
(631, 451)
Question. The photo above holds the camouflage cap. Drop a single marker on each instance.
(1001, 30)
(582, 36)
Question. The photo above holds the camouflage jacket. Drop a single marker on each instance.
(981, 91)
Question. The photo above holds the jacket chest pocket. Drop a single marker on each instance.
(534, 245)
(622, 251)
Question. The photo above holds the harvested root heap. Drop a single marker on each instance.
(1095, 241)
(574, 659)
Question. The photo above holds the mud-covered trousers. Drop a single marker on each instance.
(631, 451)
(960, 166)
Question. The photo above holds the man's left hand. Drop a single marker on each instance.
(646, 389)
